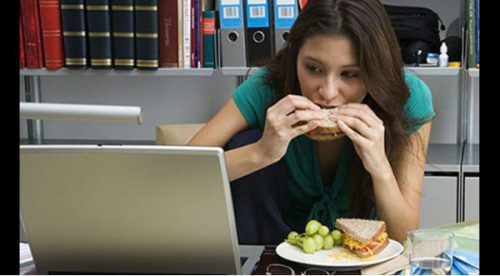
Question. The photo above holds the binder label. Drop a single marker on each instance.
(285, 13)
(230, 14)
(257, 14)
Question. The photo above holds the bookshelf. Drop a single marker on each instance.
(227, 71)
(163, 72)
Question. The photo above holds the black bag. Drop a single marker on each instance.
(416, 29)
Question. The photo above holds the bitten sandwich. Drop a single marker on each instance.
(363, 237)
(327, 129)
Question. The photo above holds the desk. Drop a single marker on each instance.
(269, 256)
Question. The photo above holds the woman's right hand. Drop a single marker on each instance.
(282, 124)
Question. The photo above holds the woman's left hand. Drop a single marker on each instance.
(366, 131)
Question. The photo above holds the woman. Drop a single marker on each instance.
(340, 54)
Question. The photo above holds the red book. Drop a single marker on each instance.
(22, 62)
(50, 19)
(32, 35)
(169, 34)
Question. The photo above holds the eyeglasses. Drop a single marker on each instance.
(280, 269)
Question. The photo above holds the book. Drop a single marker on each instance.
(146, 34)
(195, 33)
(471, 37)
(50, 20)
(168, 33)
(99, 33)
(22, 62)
(122, 35)
(32, 33)
(180, 32)
(186, 40)
(209, 39)
(476, 6)
(74, 34)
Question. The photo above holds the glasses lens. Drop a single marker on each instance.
(315, 271)
(279, 270)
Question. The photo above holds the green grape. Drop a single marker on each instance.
(318, 240)
(292, 237)
(312, 227)
(328, 242)
(336, 235)
(323, 230)
(308, 245)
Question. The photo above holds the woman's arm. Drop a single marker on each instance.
(397, 192)
(280, 128)
(219, 130)
(398, 202)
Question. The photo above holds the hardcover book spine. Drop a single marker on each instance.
(180, 30)
(209, 39)
(74, 36)
(477, 3)
(99, 33)
(32, 33)
(146, 34)
(186, 6)
(471, 54)
(122, 24)
(22, 62)
(50, 16)
(168, 33)
(193, 34)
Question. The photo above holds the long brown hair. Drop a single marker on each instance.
(367, 24)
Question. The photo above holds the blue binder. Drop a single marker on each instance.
(285, 14)
(231, 34)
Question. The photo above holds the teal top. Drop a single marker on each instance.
(308, 195)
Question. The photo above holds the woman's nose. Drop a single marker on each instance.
(330, 89)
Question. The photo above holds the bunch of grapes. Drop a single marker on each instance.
(315, 238)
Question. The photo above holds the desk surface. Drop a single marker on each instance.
(268, 256)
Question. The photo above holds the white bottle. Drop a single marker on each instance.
(443, 57)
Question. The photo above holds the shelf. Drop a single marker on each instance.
(443, 158)
(433, 71)
(471, 159)
(238, 71)
(227, 71)
(473, 73)
(113, 72)
(420, 71)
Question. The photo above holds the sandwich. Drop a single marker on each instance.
(363, 237)
(327, 129)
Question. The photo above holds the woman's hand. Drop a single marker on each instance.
(290, 117)
(366, 131)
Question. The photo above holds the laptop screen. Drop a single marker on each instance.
(128, 209)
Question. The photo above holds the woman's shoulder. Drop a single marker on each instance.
(419, 106)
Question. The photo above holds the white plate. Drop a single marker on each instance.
(322, 259)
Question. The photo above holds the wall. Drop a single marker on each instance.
(163, 99)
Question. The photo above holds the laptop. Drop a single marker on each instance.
(102, 209)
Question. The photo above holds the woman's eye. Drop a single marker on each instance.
(350, 74)
(313, 69)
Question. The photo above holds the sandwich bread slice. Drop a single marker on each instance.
(363, 237)
(327, 129)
